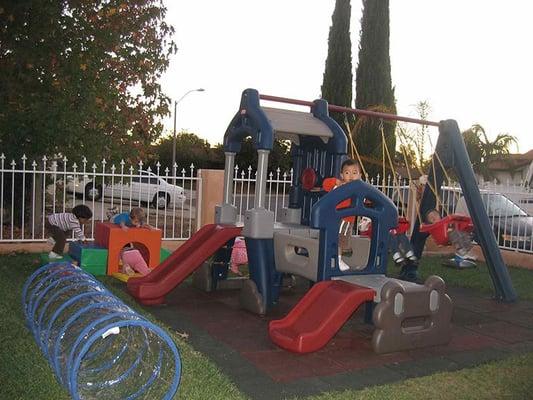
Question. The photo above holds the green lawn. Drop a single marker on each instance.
(25, 373)
(475, 278)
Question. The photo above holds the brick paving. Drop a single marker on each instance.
(238, 342)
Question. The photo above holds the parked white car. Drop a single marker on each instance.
(144, 186)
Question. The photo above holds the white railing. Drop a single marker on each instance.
(278, 184)
(277, 196)
(510, 210)
(513, 230)
(31, 190)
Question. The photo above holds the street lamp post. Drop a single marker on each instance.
(174, 140)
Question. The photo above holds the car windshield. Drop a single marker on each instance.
(498, 205)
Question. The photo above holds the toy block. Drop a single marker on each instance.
(90, 257)
(164, 254)
(114, 238)
(124, 277)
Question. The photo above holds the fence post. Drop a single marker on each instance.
(212, 189)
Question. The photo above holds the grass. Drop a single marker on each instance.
(474, 278)
(508, 379)
(25, 373)
(28, 373)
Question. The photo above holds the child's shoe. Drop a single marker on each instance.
(462, 262)
(398, 258)
(470, 257)
(342, 265)
(411, 256)
(51, 241)
(111, 212)
(54, 256)
(128, 270)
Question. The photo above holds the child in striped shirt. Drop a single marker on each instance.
(60, 224)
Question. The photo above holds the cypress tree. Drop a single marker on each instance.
(338, 79)
(373, 83)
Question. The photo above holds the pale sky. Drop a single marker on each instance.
(470, 59)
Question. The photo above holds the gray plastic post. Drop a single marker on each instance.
(260, 184)
(229, 164)
(227, 212)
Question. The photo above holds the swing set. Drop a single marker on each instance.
(450, 154)
(438, 230)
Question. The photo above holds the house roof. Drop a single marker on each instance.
(511, 161)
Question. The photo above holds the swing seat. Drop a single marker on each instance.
(440, 229)
(402, 228)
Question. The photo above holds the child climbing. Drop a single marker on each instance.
(238, 255)
(133, 261)
(135, 218)
(58, 225)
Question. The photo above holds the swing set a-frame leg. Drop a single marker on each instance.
(451, 151)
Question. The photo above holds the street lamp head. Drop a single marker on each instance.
(175, 107)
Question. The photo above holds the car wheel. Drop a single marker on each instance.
(161, 200)
(93, 192)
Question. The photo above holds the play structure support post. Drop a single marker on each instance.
(260, 186)
(229, 164)
(452, 153)
(485, 236)
(227, 212)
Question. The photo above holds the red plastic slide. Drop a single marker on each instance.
(152, 288)
(318, 316)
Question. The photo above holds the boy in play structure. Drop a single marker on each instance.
(462, 241)
(60, 224)
(350, 171)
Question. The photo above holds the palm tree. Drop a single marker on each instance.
(481, 150)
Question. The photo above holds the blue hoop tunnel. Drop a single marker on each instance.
(97, 346)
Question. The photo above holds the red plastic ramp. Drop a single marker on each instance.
(152, 288)
(318, 316)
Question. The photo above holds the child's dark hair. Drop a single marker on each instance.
(350, 162)
(82, 211)
(426, 215)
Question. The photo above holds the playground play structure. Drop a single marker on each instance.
(405, 314)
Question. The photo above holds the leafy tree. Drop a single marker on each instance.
(190, 149)
(373, 80)
(338, 79)
(279, 157)
(481, 149)
(80, 77)
(413, 139)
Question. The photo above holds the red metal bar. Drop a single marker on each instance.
(335, 108)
